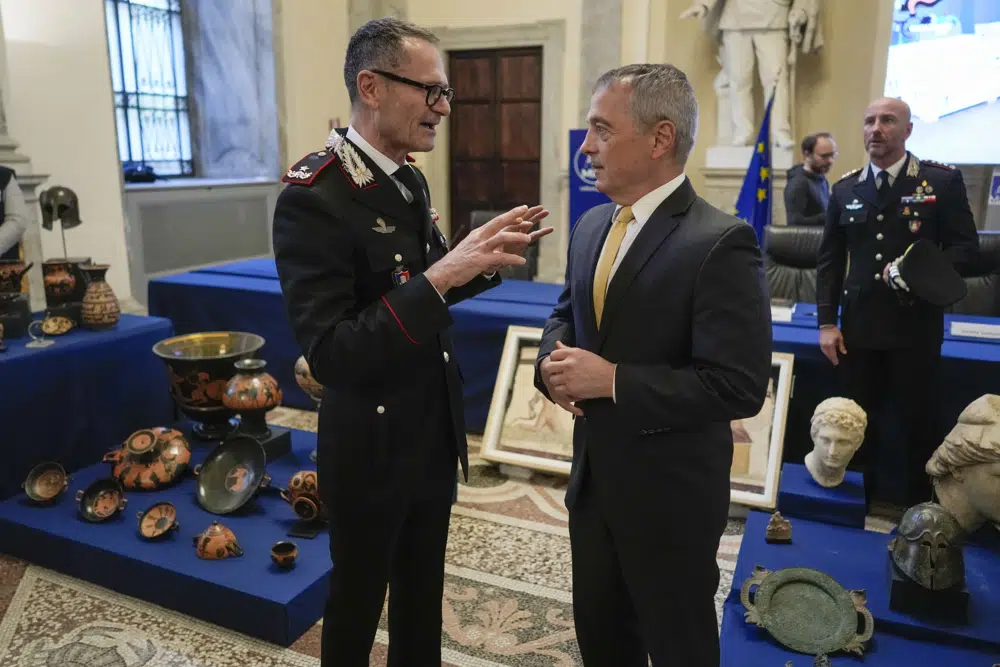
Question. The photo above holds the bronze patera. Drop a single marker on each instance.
(807, 611)
(779, 530)
(927, 547)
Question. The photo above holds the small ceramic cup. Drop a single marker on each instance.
(284, 553)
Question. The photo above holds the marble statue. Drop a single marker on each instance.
(770, 32)
(837, 430)
(965, 468)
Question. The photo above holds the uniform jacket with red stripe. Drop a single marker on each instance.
(350, 254)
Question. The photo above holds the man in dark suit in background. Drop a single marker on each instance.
(367, 280)
(661, 337)
(891, 343)
(807, 191)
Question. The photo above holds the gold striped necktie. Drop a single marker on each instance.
(611, 248)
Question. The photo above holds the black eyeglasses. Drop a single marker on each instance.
(434, 91)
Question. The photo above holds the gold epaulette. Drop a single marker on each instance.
(853, 172)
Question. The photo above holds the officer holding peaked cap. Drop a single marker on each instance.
(899, 234)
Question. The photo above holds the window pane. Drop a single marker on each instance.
(178, 49)
(125, 30)
(122, 135)
(114, 48)
(135, 134)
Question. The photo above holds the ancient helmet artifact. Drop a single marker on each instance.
(928, 547)
(59, 203)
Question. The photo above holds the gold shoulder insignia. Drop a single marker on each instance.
(304, 171)
(852, 172)
(942, 165)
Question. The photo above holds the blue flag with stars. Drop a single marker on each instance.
(754, 203)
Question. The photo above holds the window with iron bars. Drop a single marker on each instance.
(146, 49)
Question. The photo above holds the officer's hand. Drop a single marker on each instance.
(831, 341)
(524, 225)
(482, 251)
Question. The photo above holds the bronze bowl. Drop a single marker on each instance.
(200, 366)
(46, 482)
(232, 474)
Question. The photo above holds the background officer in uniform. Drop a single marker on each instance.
(889, 344)
(367, 280)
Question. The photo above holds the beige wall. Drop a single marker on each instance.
(833, 88)
(60, 110)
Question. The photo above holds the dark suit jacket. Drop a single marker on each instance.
(378, 344)
(687, 319)
(874, 230)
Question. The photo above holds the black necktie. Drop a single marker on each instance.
(883, 180)
(408, 177)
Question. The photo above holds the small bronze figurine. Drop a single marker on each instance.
(779, 530)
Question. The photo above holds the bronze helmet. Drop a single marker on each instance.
(59, 203)
(928, 547)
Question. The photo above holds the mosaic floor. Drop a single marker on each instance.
(507, 595)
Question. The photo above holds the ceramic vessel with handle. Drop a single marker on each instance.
(217, 542)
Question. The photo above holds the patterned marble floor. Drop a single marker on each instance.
(507, 595)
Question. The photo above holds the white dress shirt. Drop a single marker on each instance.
(642, 209)
(893, 170)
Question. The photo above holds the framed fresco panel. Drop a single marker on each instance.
(758, 442)
(523, 427)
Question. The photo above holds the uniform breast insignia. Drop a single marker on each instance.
(350, 162)
(304, 171)
(382, 228)
(400, 275)
(854, 205)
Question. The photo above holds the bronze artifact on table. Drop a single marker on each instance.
(199, 367)
(779, 530)
(231, 474)
(150, 459)
(807, 611)
(100, 308)
(217, 542)
(11, 273)
(927, 547)
(56, 325)
(46, 482)
(101, 500)
(158, 521)
(303, 495)
(252, 393)
(284, 554)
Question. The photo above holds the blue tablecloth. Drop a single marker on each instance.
(74, 400)
(261, 267)
(219, 302)
(800, 496)
(859, 559)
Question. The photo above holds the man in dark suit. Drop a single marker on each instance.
(661, 337)
(889, 344)
(807, 192)
(367, 280)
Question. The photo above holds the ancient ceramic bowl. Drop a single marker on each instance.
(232, 474)
(284, 554)
(11, 273)
(101, 500)
(251, 393)
(45, 482)
(217, 542)
(306, 381)
(150, 459)
(199, 366)
(807, 611)
(56, 325)
(158, 521)
(303, 495)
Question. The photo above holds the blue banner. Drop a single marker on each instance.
(754, 201)
(583, 196)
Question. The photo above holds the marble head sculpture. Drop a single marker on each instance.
(965, 468)
(837, 430)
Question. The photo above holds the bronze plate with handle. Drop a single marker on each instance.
(807, 611)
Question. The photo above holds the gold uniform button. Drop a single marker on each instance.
(878, 256)
(879, 237)
(878, 276)
(880, 217)
(399, 258)
(380, 409)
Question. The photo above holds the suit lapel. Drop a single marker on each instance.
(381, 194)
(866, 189)
(660, 225)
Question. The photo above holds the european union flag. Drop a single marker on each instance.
(754, 202)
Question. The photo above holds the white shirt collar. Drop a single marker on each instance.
(380, 160)
(644, 207)
(893, 169)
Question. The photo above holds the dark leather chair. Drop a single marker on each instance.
(790, 261)
(983, 280)
(525, 271)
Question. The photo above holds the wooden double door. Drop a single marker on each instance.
(495, 132)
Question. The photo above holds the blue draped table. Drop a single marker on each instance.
(74, 400)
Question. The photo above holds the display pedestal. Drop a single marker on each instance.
(800, 496)
(275, 445)
(908, 597)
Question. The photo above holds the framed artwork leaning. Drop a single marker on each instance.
(758, 442)
(523, 427)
